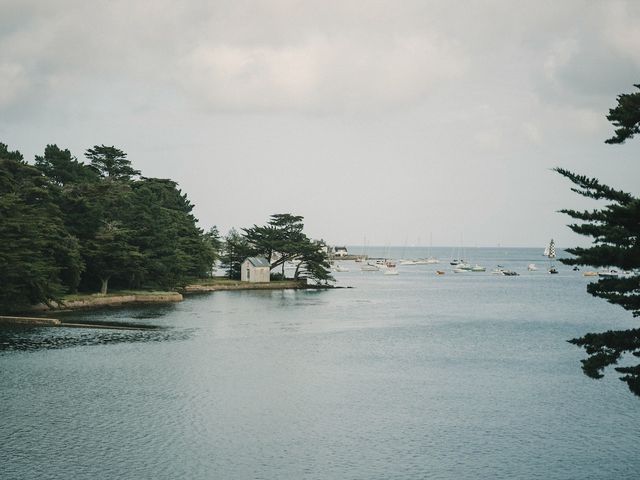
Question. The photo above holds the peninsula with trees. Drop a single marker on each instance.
(71, 229)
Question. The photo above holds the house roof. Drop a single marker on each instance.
(340, 248)
(258, 261)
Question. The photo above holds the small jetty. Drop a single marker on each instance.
(54, 322)
(34, 321)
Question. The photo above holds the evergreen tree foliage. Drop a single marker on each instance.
(625, 116)
(282, 240)
(213, 239)
(110, 162)
(61, 168)
(110, 253)
(67, 226)
(36, 251)
(615, 230)
(314, 263)
(162, 226)
(234, 250)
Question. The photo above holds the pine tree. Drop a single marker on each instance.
(36, 251)
(615, 229)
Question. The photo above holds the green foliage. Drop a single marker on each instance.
(283, 240)
(110, 162)
(67, 226)
(314, 263)
(36, 252)
(110, 252)
(615, 230)
(162, 227)
(625, 116)
(235, 249)
(61, 168)
(8, 155)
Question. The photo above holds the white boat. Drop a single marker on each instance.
(368, 267)
(427, 261)
(532, 267)
(431, 260)
(500, 270)
(408, 262)
(340, 268)
(611, 273)
(381, 263)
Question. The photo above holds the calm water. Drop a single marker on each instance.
(461, 376)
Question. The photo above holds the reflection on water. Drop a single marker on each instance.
(26, 338)
(461, 376)
(145, 315)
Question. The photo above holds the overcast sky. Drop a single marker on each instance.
(390, 120)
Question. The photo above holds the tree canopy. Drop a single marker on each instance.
(625, 116)
(36, 251)
(67, 226)
(110, 162)
(280, 241)
(615, 230)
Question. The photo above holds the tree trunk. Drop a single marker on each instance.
(105, 283)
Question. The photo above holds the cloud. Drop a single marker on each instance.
(285, 55)
(621, 29)
(14, 84)
(319, 74)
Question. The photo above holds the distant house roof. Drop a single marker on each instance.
(344, 249)
(259, 261)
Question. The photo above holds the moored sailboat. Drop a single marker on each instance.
(552, 255)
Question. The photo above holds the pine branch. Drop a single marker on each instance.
(592, 188)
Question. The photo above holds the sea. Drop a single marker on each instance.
(414, 376)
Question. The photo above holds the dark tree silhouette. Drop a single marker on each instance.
(615, 230)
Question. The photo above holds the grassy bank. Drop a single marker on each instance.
(78, 301)
(214, 284)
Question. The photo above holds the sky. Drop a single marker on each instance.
(402, 123)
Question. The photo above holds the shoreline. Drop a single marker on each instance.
(239, 285)
(120, 299)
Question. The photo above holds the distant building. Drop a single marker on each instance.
(340, 251)
(255, 270)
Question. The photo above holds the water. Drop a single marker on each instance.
(460, 376)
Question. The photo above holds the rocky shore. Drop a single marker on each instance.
(118, 299)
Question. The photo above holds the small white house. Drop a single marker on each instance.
(340, 251)
(255, 270)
